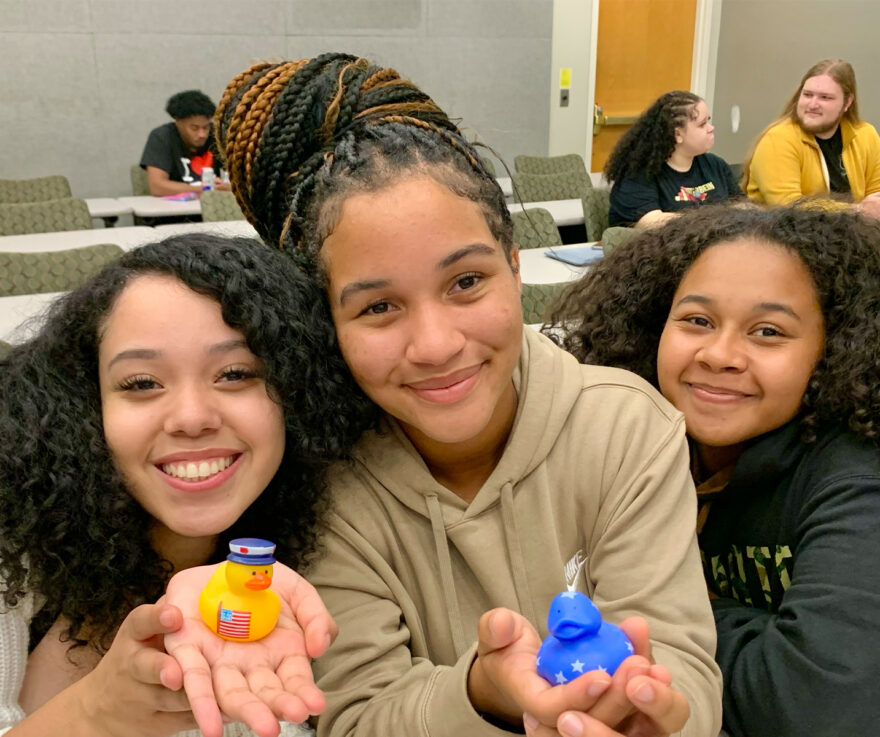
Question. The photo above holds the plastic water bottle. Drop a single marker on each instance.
(207, 178)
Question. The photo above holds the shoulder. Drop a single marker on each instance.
(785, 131)
(864, 131)
(619, 388)
(839, 455)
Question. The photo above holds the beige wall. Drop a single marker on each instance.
(764, 48)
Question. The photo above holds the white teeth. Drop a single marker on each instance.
(197, 471)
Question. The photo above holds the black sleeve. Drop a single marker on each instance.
(812, 667)
(631, 198)
(157, 151)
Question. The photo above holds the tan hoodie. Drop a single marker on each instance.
(595, 471)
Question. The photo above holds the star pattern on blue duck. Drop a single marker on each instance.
(579, 641)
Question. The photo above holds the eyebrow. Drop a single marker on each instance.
(760, 307)
(446, 262)
(151, 354)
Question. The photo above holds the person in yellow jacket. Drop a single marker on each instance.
(818, 146)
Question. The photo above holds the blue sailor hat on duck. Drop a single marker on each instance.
(251, 551)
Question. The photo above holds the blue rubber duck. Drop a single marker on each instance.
(579, 641)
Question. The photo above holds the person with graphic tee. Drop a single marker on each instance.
(661, 165)
(818, 146)
(761, 326)
(176, 152)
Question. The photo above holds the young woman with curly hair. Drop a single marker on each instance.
(188, 394)
(662, 165)
(762, 327)
(503, 472)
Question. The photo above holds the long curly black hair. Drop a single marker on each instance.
(69, 530)
(615, 315)
(299, 136)
(650, 141)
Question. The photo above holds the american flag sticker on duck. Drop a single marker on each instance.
(233, 623)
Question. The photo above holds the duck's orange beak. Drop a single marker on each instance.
(258, 582)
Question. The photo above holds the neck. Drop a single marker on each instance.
(463, 467)
(713, 458)
(680, 161)
(183, 552)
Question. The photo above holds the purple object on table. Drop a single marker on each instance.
(579, 641)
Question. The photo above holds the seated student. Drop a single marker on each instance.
(662, 165)
(184, 396)
(818, 145)
(176, 152)
(503, 471)
(762, 328)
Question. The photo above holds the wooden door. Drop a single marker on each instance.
(644, 48)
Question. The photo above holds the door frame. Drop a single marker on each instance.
(707, 29)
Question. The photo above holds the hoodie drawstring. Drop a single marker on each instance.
(441, 545)
(515, 555)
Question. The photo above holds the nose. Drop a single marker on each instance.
(435, 335)
(192, 413)
(722, 352)
(711, 128)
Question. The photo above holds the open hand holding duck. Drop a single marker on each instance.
(579, 640)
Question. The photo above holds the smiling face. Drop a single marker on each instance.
(743, 336)
(186, 415)
(698, 134)
(821, 105)
(427, 311)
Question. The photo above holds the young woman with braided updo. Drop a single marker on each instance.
(503, 471)
(662, 165)
(184, 396)
(762, 328)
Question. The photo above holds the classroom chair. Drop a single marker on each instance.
(548, 164)
(52, 271)
(534, 228)
(45, 217)
(220, 206)
(615, 237)
(139, 184)
(40, 189)
(538, 299)
(597, 206)
(560, 186)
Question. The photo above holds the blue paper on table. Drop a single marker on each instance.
(577, 256)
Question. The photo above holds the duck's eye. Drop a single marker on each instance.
(253, 573)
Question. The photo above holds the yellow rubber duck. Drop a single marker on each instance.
(237, 603)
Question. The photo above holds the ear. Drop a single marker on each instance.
(514, 267)
(679, 135)
(848, 102)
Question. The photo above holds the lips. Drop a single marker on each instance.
(198, 470)
(709, 393)
(448, 388)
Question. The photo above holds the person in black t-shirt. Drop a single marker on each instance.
(176, 152)
(661, 165)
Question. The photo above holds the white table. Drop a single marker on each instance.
(564, 212)
(16, 310)
(506, 186)
(536, 267)
(125, 238)
(107, 208)
(222, 227)
(146, 206)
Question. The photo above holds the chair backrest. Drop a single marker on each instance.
(4, 348)
(488, 164)
(52, 271)
(548, 164)
(597, 205)
(614, 237)
(45, 217)
(537, 299)
(139, 184)
(17, 191)
(534, 228)
(539, 187)
(220, 206)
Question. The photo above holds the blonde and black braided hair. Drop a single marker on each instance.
(299, 136)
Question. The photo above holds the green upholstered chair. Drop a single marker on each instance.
(538, 299)
(45, 217)
(614, 237)
(139, 184)
(17, 191)
(220, 206)
(548, 164)
(539, 187)
(596, 205)
(4, 348)
(488, 164)
(534, 228)
(52, 271)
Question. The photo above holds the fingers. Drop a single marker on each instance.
(615, 705)
(497, 629)
(667, 708)
(199, 689)
(156, 667)
(148, 620)
(636, 629)
(317, 625)
(237, 697)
